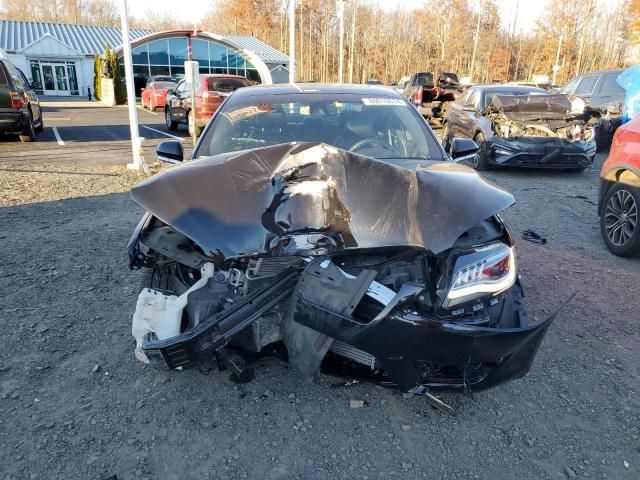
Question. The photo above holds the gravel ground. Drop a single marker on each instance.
(74, 403)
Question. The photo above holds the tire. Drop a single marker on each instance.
(619, 220)
(171, 125)
(446, 138)
(40, 127)
(29, 135)
(193, 126)
(480, 161)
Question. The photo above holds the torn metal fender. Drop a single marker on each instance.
(245, 203)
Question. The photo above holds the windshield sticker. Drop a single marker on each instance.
(384, 102)
(244, 113)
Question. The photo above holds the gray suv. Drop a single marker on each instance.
(601, 92)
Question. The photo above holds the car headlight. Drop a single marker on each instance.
(488, 270)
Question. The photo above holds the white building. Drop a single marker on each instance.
(60, 57)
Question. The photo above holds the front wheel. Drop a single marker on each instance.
(480, 160)
(619, 220)
(171, 125)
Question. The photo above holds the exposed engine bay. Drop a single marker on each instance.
(553, 115)
(409, 274)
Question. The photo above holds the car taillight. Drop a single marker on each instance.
(419, 95)
(210, 97)
(17, 100)
(486, 270)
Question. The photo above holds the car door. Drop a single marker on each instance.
(455, 111)
(469, 114)
(178, 101)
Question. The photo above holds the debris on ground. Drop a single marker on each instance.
(533, 237)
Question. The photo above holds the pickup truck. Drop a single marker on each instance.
(432, 96)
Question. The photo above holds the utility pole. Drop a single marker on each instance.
(340, 9)
(136, 142)
(292, 41)
(556, 67)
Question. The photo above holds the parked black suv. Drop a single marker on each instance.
(19, 107)
(601, 92)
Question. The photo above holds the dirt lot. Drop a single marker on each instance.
(74, 403)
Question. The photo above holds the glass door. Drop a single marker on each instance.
(49, 81)
(62, 82)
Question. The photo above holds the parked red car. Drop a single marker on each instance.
(154, 95)
(210, 93)
(619, 199)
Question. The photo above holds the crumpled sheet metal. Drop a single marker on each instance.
(629, 79)
(237, 203)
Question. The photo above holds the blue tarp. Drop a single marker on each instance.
(630, 81)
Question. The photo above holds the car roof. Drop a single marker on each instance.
(315, 88)
(507, 86)
(600, 72)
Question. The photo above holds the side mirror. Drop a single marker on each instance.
(171, 91)
(461, 149)
(469, 107)
(170, 151)
(35, 85)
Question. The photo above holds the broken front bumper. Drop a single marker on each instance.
(419, 351)
(540, 152)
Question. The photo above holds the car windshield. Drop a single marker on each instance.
(373, 126)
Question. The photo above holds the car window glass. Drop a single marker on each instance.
(610, 85)
(225, 84)
(15, 75)
(585, 87)
(463, 99)
(383, 128)
(22, 77)
(570, 87)
(474, 99)
(3, 76)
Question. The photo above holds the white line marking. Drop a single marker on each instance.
(58, 138)
(145, 110)
(162, 133)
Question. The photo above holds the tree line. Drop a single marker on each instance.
(464, 36)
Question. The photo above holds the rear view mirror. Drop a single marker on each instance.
(461, 149)
(170, 151)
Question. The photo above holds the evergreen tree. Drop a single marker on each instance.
(97, 77)
(119, 88)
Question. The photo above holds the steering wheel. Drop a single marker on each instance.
(372, 142)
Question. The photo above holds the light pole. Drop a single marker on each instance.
(136, 142)
(556, 67)
(340, 8)
(292, 41)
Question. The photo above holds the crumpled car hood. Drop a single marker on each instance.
(240, 203)
(528, 107)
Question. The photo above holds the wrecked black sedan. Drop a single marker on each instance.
(329, 220)
(519, 126)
